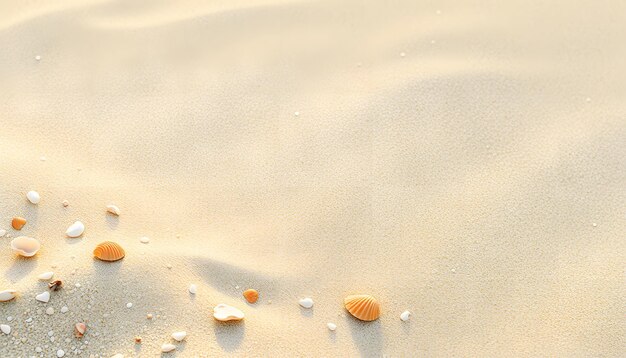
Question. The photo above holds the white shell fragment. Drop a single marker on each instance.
(43, 297)
(7, 295)
(405, 316)
(331, 326)
(25, 246)
(46, 275)
(306, 302)
(144, 240)
(223, 312)
(179, 336)
(60, 353)
(167, 347)
(50, 311)
(33, 197)
(75, 230)
(5, 328)
(114, 210)
(193, 289)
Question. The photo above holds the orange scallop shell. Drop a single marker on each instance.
(109, 251)
(363, 307)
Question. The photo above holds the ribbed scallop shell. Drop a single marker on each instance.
(363, 307)
(109, 251)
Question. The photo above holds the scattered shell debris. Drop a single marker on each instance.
(113, 210)
(75, 230)
(251, 295)
(306, 302)
(224, 312)
(46, 276)
(179, 336)
(405, 316)
(167, 347)
(33, 197)
(7, 295)
(18, 223)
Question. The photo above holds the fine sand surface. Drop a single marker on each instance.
(463, 160)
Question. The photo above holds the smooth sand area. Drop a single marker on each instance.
(463, 160)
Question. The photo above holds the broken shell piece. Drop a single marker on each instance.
(137, 340)
(7, 295)
(112, 209)
(306, 302)
(363, 307)
(405, 316)
(223, 312)
(33, 197)
(18, 223)
(179, 336)
(55, 285)
(6, 329)
(25, 246)
(43, 297)
(46, 276)
(167, 347)
(251, 295)
(109, 251)
(66, 203)
(80, 329)
(75, 230)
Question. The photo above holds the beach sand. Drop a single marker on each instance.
(465, 161)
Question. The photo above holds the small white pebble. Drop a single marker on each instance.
(453, 270)
(438, 12)
(594, 224)
(10, 318)
(167, 347)
(33, 197)
(66, 203)
(50, 311)
(64, 309)
(50, 333)
(42, 158)
(169, 266)
(331, 326)
(38, 350)
(60, 353)
(306, 302)
(2, 232)
(129, 305)
(296, 113)
(38, 58)
(144, 240)
(29, 319)
(402, 54)
(405, 316)
(5, 328)
(588, 99)
(77, 285)
(193, 289)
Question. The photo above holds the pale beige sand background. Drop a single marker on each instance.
(460, 182)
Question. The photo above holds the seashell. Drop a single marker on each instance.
(5, 328)
(25, 246)
(363, 307)
(109, 251)
(225, 313)
(55, 285)
(43, 297)
(46, 276)
(251, 295)
(7, 295)
(112, 209)
(306, 302)
(405, 316)
(167, 347)
(18, 223)
(80, 329)
(75, 230)
(179, 336)
(33, 197)
(137, 340)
